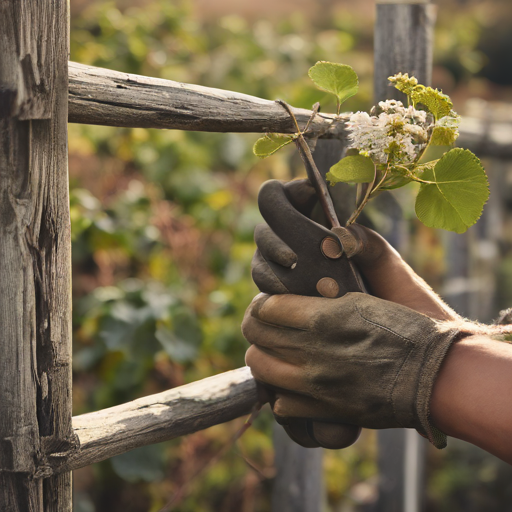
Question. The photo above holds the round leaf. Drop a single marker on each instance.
(352, 169)
(455, 199)
(338, 79)
(270, 143)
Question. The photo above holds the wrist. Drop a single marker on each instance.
(470, 397)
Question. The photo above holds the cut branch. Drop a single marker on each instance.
(161, 417)
(104, 97)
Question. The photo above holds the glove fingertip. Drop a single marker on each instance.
(264, 277)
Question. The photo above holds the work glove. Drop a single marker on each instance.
(298, 255)
(357, 359)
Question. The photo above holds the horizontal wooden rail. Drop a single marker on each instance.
(111, 98)
(104, 97)
(156, 418)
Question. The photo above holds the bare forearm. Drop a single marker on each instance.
(472, 396)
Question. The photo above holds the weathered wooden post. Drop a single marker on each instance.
(35, 308)
(403, 43)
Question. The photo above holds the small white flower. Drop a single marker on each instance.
(396, 126)
(361, 118)
(417, 131)
(394, 105)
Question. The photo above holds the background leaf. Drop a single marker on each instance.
(144, 464)
(270, 143)
(339, 79)
(456, 200)
(352, 169)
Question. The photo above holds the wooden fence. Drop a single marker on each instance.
(40, 442)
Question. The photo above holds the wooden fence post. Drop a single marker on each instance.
(404, 33)
(403, 43)
(35, 305)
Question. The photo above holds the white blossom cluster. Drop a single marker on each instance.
(398, 131)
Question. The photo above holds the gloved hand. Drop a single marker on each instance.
(295, 254)
(291, 254)
(357, 359)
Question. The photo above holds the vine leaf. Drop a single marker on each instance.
(444, 136)
(270, 143)
(455, 199)
(352, 169)
(339, 79)
(437, 103)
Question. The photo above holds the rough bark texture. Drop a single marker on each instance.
(35, 338)
(105, 97)
(161, 417)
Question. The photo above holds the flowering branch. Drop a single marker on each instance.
(389, 148)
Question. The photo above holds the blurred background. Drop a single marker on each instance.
(162, 225)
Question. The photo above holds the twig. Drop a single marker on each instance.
(359, 209)
(314, 110)
(313, 173)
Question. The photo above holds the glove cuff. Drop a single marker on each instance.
(432, 361)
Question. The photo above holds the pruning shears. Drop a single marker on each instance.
(327, 280)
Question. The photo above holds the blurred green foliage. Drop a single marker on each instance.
(162, 225)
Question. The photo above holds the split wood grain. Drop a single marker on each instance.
(35, 256)
(110, 98)
(161, 417)
(404, 36)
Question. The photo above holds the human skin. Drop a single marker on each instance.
(471, 398)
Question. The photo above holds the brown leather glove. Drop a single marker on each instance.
(357, 359)
(303, 257)
(289, 258)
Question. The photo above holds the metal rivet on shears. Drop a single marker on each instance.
(331, 248)
(328, 287)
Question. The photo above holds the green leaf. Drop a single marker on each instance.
(426, 167)
(394, 182)
(456, 198)
(443, 136)
(270, 143)
(437, 103)
(338, 79)
(352, 169)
